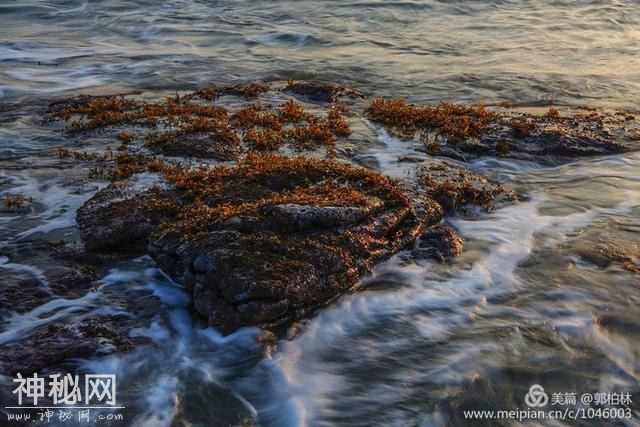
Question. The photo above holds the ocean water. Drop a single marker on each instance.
(526, 303)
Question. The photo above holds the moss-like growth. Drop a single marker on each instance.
(461, 131)
(184, 127)
(214, 194)
(522, 126)
(456, 188)
(15, 201)
(211, 93)
(450, 121)
(553, 113)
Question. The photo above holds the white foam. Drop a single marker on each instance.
(60, 204)
(307, 381)
(19, 326)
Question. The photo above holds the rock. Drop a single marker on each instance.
(305, 217)
(121, 215)
(21, 292)
(221, 146)
(210, 404)
(31, 276)
(617, 251)
(570, 143)
(19, 204)
(56, 342)
(467, 131)
(65, 280)
(270, 240)
(439, 243)
(316, 91)
(456, 188)
(281, 261)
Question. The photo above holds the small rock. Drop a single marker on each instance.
(456, 188)
(56, 342)
(219, 146)
(316, 91)
(439, 243)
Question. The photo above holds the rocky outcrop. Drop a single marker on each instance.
(272, 239)
(277, 262)
(467, 131)
(267, 241)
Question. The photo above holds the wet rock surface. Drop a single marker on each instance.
(211, 404)
(617, 251)
(57, 342)
(318, 91)
(26, 287)
(21, 292)
(273, 238)
(120, 214)
(456, 188)
(440, 243)
(281, 261)
(213, 145)
(465, 132)
(15, 205)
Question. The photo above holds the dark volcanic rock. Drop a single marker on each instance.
(456, 188)
(56, 342)
(120, 214)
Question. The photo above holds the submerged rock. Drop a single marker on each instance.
(616, 251)
(17, 204)
(31, 276)
(56, 342)
(317, 91)
(21, 291)
(210, 404)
